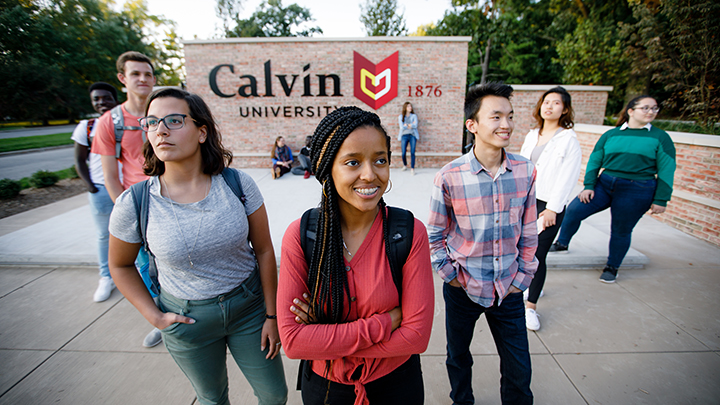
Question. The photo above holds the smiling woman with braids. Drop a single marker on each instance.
(341, 309)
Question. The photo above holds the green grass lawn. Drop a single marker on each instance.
(33, 142)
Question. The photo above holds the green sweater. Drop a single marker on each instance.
(635, 154)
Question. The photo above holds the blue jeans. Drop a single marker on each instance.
(507, 325)
(101, 205)
(628, 200)
(404, 141)
(233, 320)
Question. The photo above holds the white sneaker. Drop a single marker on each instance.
(412, 171)
(153, 338)
(526, 294)
(105, 287)
(531, 319)
(404, 168)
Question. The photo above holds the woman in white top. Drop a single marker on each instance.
(554, 149)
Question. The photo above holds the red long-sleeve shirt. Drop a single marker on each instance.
(367, 338)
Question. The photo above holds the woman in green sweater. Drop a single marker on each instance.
(639, 163)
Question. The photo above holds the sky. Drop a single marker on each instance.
(337, 18)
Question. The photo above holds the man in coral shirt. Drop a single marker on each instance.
(135, 71)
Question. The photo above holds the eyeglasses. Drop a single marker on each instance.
(647, 108)
(172, 121)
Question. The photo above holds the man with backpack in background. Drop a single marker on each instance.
(103, 97)
(120, 139)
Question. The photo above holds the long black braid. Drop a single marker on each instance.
(327, 278)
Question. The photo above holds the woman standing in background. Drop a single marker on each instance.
(408, 122)
(555, 151)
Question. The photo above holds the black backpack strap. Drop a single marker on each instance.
(308, 229)
(401, 224)
(232, 178)
(141, 196)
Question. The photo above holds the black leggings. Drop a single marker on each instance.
(404, 385)
(545, 240)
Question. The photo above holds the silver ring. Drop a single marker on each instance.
(277, 344)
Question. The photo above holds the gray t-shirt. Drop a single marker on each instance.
(222, 257)
(537, 151)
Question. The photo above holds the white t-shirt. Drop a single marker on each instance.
(94, 163)
(214, 232)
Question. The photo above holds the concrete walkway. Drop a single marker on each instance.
(651, 338)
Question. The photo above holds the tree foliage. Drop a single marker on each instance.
(52, 50)
(676, 44)
(513, 40)
(381, 18)
(271, 19)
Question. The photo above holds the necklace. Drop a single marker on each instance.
(172, 205)
(346, 248)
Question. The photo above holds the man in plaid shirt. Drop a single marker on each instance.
(483, 237)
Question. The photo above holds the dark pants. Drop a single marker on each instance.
(628, 200)
(404, 385)
(304, 165)
(545, 240)
(283, 169)
(507, 325)
(403, 145)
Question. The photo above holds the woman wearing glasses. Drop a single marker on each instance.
(639, 163)
(215, 259)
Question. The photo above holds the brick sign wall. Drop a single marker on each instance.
(260, 88)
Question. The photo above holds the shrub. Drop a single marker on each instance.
(9, 188)
(43, 178)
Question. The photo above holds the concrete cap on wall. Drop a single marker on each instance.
(544, 87)
(321, 39)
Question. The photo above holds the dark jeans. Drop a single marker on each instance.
(507, 325)
(404, 385)
(403, 145)
(545, 240)
(283, 169)
(628, 200)
(304, 165)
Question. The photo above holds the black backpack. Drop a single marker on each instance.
(141, 195)
(401, 224)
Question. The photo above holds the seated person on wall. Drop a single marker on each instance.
(304, 159)
(282, 158)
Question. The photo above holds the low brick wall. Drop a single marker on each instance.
(694, 207)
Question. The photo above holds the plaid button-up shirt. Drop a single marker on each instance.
(483, 230)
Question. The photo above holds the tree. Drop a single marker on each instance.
(594, 51)
(675, 44)
(228, 11)
(380, 18)
(271, 19)
(516, 44)
(52, 50)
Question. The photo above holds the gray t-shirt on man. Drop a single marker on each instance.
(222, 257)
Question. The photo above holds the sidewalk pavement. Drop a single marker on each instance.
(651, 338)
